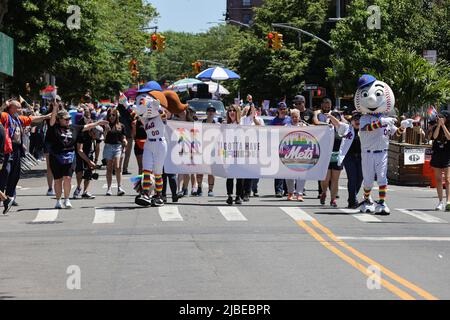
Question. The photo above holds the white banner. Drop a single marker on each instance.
(235, 151)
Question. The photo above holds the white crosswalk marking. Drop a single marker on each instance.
(297, 214)
(422, 216)
(170, 213)
(232, 214)
(46, 215)
(364, 217)
(104, 215)
(113, 185)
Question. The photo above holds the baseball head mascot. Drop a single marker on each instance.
(150, 102)
(375, 99)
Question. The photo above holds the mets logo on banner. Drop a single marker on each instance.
(299, 151)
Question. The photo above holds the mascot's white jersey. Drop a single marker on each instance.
(155, 128)
(378, 139)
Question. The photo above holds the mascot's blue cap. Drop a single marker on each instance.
(365, 80)
(150, 86)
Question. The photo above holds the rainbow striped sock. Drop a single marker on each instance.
(158, 183)
(146, 181)
(367, 193)
(382, 193)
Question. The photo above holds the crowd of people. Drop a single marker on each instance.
(69, 138)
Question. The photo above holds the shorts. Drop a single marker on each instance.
(334, 166)
(112, 151)
(61, 170)
(81, 166)
(440, 160)
(138, 151)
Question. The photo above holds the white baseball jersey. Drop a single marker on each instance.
(155, 128)
(377, 139)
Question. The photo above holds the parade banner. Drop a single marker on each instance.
(235, 151)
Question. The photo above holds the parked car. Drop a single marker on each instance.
(200, 106)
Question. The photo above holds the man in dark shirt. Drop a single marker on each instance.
(126, 120)
(305, 114)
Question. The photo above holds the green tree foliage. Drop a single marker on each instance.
(392, 52)
(95, 56)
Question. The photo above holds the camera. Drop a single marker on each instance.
(95, 176)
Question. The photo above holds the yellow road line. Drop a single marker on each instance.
(397, 291)
(386, 271)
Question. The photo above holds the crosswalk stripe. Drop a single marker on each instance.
(297, 214)
(232, 214)
(364, 217)
(113, 185)
(104, 215)
(46, 215)
(170, 213)
(422, 216)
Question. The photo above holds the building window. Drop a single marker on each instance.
(246, 3)
(246, 18)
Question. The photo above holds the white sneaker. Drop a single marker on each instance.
(120, 191)
(109, 192)
(440, 206)
(50, 193)
(67, 204)
(58, 204)
(76, 193)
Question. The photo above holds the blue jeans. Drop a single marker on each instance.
(353, 168)
(10, 173)
(279, 186)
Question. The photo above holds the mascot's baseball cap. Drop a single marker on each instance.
(365, 80)
(154, 89)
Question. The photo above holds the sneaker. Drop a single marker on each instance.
(125, 172)
(143, 200)
(323, 197)
(67, 204)
(193, 193)
(58, 204)
(76, 193)
(158, 200)
(199, 192)
(382, 209)
(7, 204)
(256, 194)
(290, 196)
(109, 192)
(238, 200)
(210, 193)
(164, 198)
(245, 198)
(230, 200)
(185, 192)
(175, 198)
(87, 195)
(120, 191)
(50, 193)
(440, 206)
(333, 203)
(279, 195)
(300, 198)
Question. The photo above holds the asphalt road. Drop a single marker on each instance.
(108, 248)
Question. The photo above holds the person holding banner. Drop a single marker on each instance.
(234, 117)
(295, 186)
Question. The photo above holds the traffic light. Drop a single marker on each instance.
(154, 42)
(133, 68)
(319, 93)
(270, 40)
(278, 41)
(196, 66)
(161, 42)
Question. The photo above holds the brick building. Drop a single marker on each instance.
(242, 10)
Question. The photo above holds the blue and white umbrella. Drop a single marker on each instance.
(218, 74)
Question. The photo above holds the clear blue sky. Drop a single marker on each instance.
(188, 15)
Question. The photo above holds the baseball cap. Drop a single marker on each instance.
(211, 108)
(63, 114)
(282, 105)
(365, 80)
(150, 86)
(299, 98)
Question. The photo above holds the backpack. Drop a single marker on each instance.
(9, 130)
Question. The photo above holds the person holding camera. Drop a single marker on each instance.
(63, 138)
(440, 157)
(85, 163)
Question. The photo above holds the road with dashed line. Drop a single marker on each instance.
(200, 248)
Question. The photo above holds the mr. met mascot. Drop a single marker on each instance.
(375, 99)
(149, 102)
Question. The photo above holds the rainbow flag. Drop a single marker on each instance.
(48, 93)
(123, 99)
(432, 113)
